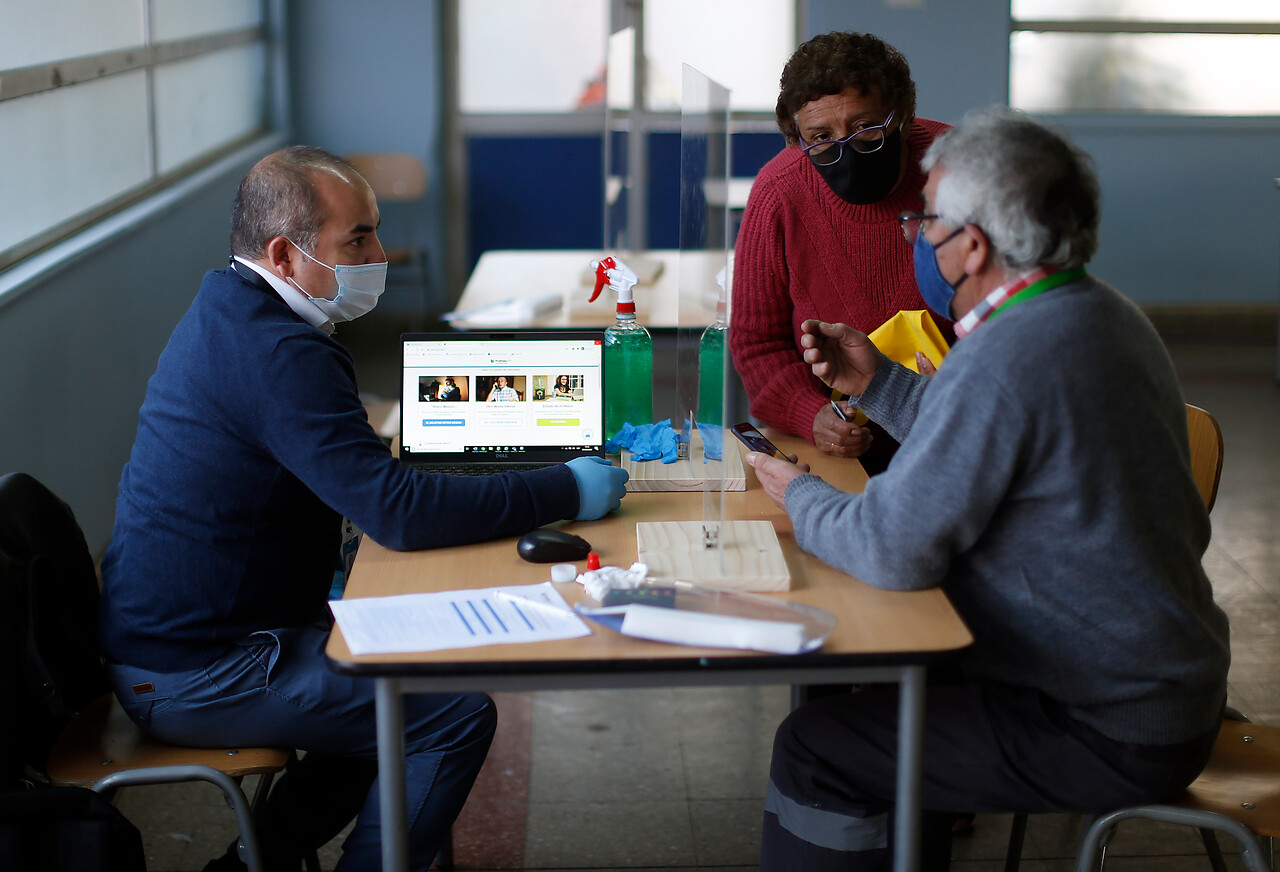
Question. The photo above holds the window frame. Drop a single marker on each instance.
(48, 77)
(639, 122)
(1103, 26)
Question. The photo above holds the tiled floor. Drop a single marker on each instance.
(674, 779)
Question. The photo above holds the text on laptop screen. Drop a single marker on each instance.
(465, 396)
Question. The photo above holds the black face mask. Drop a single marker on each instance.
(865, 178)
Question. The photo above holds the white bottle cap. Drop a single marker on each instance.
(564, 572)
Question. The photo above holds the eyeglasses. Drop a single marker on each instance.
(913, 224)
(828, 151)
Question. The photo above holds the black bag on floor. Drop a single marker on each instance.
(66, 829)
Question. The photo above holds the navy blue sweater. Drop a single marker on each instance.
(252, 445)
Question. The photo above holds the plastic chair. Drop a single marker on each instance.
(1238, 792)
(90, 741)
(400, 179)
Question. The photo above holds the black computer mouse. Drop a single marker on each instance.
(552, 546)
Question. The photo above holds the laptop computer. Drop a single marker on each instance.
(480, 402)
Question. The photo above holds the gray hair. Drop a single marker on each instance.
(278, 197)
(1031, 191)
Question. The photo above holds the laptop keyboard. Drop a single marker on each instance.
(482, 468)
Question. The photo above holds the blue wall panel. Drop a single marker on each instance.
(664, 190)
(751, 151)
(544, 192)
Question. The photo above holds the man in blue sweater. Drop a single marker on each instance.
(1044, 482)
(252, 447)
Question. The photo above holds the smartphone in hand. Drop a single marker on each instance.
(756, 441)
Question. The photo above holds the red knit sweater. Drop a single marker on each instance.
(802, 253)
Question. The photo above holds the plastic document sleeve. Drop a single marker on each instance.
(708, 617)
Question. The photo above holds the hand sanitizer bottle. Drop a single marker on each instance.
(711, 372)
(628, 353)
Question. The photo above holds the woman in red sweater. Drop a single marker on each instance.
(820, 236)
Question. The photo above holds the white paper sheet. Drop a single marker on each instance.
(456, 619)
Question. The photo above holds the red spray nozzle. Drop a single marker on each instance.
(602, 276)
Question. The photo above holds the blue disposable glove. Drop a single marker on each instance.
(600, 486)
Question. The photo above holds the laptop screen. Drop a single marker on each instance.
(523, 397)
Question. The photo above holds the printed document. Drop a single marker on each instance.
(456, 619)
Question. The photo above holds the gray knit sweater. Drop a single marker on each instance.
(1044, 481)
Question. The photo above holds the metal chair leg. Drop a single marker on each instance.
(311, 862)
(1092, 856)
(1254, 857)
(260, 791)
(248, 840)
(1017, 834)
(1211, 848)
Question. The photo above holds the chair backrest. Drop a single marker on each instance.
(48, 620)
(1206, 452)
(393, 177)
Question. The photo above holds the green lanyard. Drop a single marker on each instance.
(1047, 283)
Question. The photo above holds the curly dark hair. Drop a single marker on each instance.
(830, 62)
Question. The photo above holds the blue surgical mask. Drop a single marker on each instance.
(359, 287)
(936, 290)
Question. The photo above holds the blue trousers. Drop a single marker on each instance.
(275, 689)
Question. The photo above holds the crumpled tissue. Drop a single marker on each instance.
(598, 582)
(645, 442)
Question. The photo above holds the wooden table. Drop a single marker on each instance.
(504, 275)
(880, 636)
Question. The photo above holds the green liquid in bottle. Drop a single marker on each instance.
(711, 374)
(628, 376)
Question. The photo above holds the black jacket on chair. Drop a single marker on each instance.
(49, 669)
(49, 607)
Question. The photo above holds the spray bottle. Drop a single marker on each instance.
(628, 353)
(711, 372)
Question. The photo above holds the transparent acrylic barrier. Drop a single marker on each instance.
(624, 147)
(702, 331)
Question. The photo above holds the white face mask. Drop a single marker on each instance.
(359, 287)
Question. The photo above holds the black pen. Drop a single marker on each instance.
(838, 411)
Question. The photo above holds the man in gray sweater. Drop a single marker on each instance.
(1044, 482)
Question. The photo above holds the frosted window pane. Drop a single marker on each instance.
(1146, 10)
(179, 19)
(206, 102)
(42, 31)
(68, 150)
(620, 78)
(1196, 74)
(741, 44)
(517, 56)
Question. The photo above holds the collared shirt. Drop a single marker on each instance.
(293, 298)
(504, 395)
(1024, 287)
